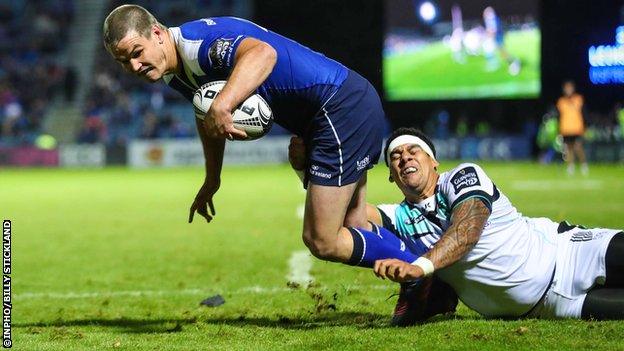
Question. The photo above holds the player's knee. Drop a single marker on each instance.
(320, 248)
(356, 221)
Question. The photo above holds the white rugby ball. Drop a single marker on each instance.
(254, 115)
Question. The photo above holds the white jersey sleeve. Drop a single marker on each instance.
(466, 181)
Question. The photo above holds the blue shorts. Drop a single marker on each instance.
(346, 135)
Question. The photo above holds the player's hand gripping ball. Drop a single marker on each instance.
(254, 115)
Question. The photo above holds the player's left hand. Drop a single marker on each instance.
(219, 123)
(397, 270)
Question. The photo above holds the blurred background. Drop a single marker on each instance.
(481, 77)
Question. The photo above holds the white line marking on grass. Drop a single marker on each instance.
(97, 294)
(299, 266)
(564, 184)
(255, 289)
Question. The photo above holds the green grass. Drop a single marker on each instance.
(432, 73)
(118, 241)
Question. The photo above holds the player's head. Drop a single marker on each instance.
(136, 40)
(411, 157)
(568, 87)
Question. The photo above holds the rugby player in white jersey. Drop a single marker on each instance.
(500, 263)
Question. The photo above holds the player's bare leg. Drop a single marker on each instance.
(356, 212)
(325, 213)
(580, 154)
(569, 157)
(335, 227)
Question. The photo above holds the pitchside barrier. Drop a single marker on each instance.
(173, 153)
(269, 150)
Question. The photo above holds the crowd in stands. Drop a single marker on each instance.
(32, 36)
(121, 107)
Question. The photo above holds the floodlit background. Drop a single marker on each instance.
(98, 170)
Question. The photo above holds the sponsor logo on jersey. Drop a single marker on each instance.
(587, 235)
(583, 235)
(414, 220)
(208, 21)
(361, 164)
(465, 178)
(220, 52)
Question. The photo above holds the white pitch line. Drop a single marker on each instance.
(299, 266)
(255, 289)
(96, 294)
(563, 184)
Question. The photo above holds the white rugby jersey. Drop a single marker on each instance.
(510, 267)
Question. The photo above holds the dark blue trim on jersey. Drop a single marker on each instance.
(496, 195)
(202, 56)
(386, 222)
(176, 83)
(479, 194)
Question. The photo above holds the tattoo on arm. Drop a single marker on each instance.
(467, 222)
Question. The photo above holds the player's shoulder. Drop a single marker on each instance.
(212, 26)
(463, 176)
(199, 29)
(464, 168)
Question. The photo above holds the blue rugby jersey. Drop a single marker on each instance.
(300, 83)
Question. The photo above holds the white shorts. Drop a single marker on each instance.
(580, 265)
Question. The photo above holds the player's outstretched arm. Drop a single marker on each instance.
(213, 154)
(253, 62)
(467, 222)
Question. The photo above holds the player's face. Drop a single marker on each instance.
(144, 57)
(568, 89)
(411, 168)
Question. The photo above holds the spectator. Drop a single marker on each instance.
(93, 130)
(572, 126)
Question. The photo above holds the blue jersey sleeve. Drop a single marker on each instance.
(219, 37)
(219, 53)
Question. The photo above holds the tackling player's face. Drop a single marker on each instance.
(411, 168)
(144, 57)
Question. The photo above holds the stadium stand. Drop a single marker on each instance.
(32, 75)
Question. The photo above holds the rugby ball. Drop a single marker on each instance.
(254, 115)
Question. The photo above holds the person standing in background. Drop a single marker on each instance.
(572, 126)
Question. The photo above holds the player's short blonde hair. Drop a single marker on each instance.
(125, 19)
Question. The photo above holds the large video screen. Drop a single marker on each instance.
(461, 49)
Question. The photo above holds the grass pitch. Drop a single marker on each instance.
(104, 259)
(431, 73)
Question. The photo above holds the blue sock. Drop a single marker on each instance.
(377, 245)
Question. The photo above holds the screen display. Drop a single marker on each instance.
(461, 49)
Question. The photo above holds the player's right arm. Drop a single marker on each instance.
(213, 154)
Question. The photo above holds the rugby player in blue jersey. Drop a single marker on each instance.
(334, 110)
